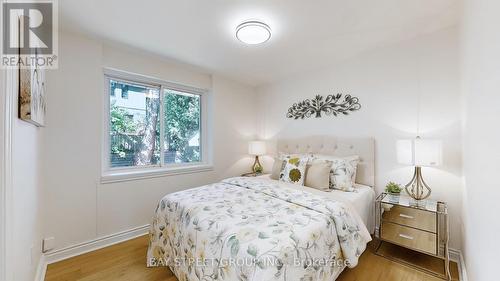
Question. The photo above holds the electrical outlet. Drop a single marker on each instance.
(48, 244)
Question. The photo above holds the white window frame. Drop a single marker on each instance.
(118, 174)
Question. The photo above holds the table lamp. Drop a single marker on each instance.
(419, 153)
(257, 148)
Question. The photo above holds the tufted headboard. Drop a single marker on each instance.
(337, 146)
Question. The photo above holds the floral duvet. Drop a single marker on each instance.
(254, 229)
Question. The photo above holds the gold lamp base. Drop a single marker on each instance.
(417, 188)
(257, 167)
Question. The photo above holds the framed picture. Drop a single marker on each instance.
(32, 101)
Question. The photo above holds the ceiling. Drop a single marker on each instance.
(306, 35)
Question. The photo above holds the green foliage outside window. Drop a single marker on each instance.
(120, 121)
(121, 124)
(182, 123)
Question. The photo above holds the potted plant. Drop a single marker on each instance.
(393, 188)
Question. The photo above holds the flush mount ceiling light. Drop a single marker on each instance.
(253, 32)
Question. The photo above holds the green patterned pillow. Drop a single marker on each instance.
(294, 170)
(343, 173)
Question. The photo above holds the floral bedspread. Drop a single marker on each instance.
(253, 229)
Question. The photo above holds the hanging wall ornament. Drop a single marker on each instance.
(331, 105)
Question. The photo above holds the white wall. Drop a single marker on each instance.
(24, 188)
(388, 82)
(80, 208)
(481, 87)
(3, 180)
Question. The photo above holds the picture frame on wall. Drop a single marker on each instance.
(32, 94)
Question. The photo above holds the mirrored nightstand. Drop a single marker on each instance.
(420, 226)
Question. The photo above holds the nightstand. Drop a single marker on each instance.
(251, 174)
(420, 226)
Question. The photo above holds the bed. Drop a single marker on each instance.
(362, 200)
(262, 229)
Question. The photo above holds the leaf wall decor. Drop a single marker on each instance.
(331, 105)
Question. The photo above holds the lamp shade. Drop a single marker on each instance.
(419, 152)
(257, 148)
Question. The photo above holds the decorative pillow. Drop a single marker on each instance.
(294, 170)
(318, 175)
(277, 167)
(343, 171)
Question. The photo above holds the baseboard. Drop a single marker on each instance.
(95, 244)
(86, 247)
(456, 256)
(41, 268)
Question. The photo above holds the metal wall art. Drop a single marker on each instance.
(331, 105)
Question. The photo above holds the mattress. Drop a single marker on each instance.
(362, 200)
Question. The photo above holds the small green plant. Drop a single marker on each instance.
(392, 187)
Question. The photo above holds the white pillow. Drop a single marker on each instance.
(318, 175)
(277, 167)
(342, 172)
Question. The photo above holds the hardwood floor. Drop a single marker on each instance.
(127, 262)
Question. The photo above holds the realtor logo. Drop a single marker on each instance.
(29, 34)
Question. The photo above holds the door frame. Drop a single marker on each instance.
(6, 124)
(8, 88)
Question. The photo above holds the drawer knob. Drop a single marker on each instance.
(406, 216)
(406, 236)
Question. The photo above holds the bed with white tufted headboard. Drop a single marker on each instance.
(280, 212)
(337, 146)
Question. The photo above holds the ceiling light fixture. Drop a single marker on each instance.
(253, 32)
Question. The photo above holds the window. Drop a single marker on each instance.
(182, 127)
(152, 125)
(134, 125)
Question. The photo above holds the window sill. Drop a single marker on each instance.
(148, 173)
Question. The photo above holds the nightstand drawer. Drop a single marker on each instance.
(409, 237)
(411, 217)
